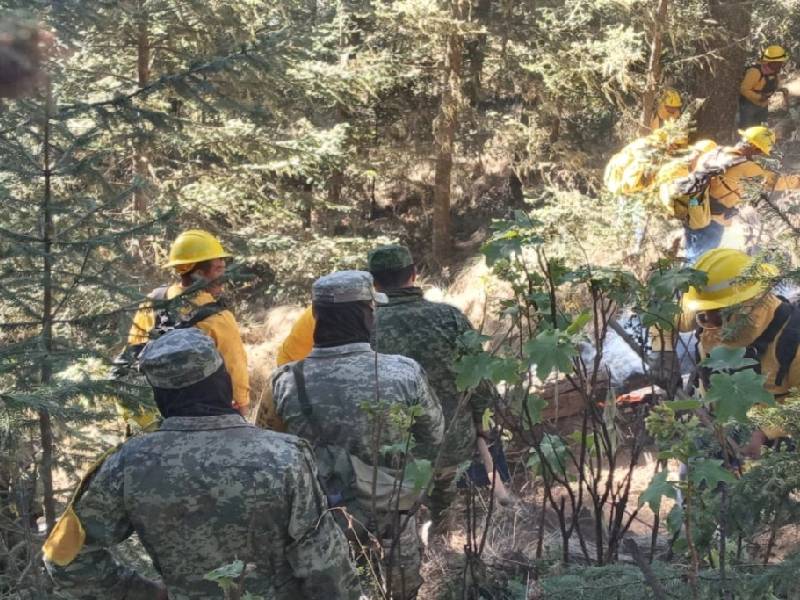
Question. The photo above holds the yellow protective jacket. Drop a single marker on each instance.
(764, 326)
(221, 327)
(630, 170)
(756, 87)
(727, 190)
(300, 341)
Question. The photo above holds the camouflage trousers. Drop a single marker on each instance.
(398, 557)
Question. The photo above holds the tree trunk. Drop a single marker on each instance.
(140, 160)
(307, 205)
(476, 50)
(445, 128)
(46, 339)
(654, 66)
(719, 78)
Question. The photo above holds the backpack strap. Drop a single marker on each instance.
(719, 173)
(302, 396)
(335, 466)
(788, 315)
(203, 312)
(163, 317)
(787, 345)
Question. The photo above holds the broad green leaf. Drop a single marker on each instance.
(549, 351)
(722, 358)
(472, 369)
(709, 471)
(534, 405)
(534, 463)
(688, 404)
(658, 488)
(511, 237)
(554, 451)
(505, 369)
(665, 283)
(734, 394)
(419, 472)
(579, 323)
(576, 437)
(471, 342)
(675, 518)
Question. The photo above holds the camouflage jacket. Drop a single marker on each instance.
(429, 333)
(202, 492)
(340, 384)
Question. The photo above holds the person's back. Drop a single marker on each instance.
(203, 491)
(340, 381)
(360, 410)
(429, 333)
(196, 256)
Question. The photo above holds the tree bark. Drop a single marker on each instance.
(719, 77)
(654, 65)
(445, 129)
(476, 50)
(140, 159)
(46, 338)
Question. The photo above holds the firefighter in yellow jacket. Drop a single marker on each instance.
(760, 82)
(197, 257)
(736, 309)
(737, 177)
(669, 108)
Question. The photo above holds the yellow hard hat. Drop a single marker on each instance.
(704, 146)
(192, 247)
(725, 287)
(774, 54)
(671, 98)
(759, 136)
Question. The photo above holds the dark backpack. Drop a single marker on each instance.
(771, 85)
(695, 184)
(166, 319)
(786, 347)
(343, 476)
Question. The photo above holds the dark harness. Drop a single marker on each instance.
(787, 316)
(335, 473)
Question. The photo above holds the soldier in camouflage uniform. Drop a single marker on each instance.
(203, 491)
(429, 333)
(359, 426)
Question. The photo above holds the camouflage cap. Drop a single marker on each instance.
(346, 286)
(389, 258)
(179, 358)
